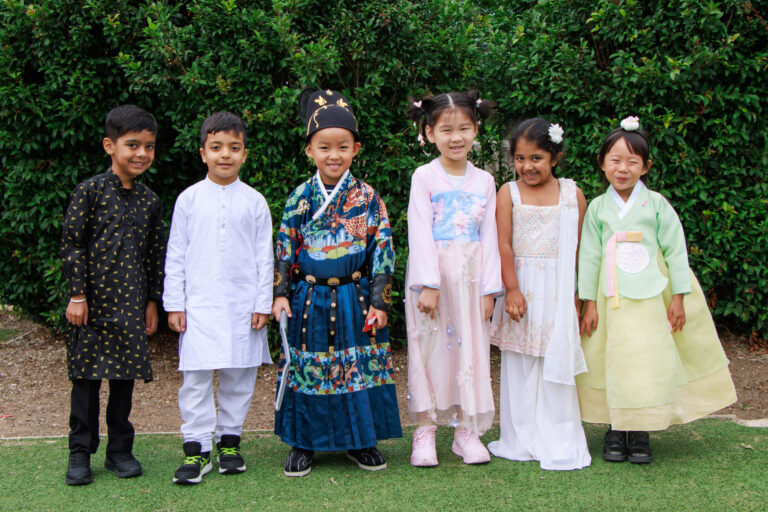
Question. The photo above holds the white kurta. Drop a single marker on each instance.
(218, 270)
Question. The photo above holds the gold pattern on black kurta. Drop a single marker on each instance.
(113, 249)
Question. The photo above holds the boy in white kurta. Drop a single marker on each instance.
(218, 294)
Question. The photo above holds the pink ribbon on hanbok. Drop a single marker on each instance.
(611, 280)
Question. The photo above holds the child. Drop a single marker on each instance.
(537, 326)
(333, 274)
(112, 248)
(218, 297)
(653, 354)
(453, 275)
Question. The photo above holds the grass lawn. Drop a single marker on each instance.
(707, 465)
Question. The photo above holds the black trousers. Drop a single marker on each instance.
(84, 416)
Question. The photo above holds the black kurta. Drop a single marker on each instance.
(113, 249)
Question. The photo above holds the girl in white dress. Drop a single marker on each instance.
(536, 327)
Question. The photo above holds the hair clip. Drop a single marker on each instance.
(417, 104)
(478, 102)
(556, 133)
(630, 124)
(420, 138)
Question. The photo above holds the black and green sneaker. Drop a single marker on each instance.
(230, 460)
(195, 465)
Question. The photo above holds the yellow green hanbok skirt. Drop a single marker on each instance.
(641, 375)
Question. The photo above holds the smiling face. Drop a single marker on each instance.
(332, 150)
(533, 164)
(623, 168)
(224, 154)
(132, 154)
(453, 133)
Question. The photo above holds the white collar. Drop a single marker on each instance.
(328, 195)
(624, 207)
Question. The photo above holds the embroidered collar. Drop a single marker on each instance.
(328, 195)
(116, 182)
(624, 207)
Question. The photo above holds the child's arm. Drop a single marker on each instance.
(262, 304)
(74, 254)
(175, 272)
(424, 272)
(582, 202)
(515, 305)
(671, 240)
(676, 313)
(153, 267)
(286, 245)
(381, 260)
(590, 258)
(150, 317)
(491, 262)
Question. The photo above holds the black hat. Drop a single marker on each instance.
(326, 109)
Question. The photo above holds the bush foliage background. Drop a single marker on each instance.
(693, 71)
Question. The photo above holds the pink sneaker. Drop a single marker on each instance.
(467, 445)
(424, 454)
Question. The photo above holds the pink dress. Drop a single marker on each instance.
(452, 247)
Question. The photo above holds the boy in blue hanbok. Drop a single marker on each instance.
(333, 276)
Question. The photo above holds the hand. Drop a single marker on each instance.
(428, 299)
(259, 320)
(487, 307)
(515, 305)
(150, 318)
(589, 319)
(77, 312)
(579, 304)
(177, 321)
(381, 317)
(279, 305)
(676, 313)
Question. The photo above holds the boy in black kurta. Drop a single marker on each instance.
(112, 246)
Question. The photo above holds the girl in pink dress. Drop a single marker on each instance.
(453, 275)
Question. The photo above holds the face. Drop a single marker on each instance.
(623, 168)
(132, 154)
(332, 150)
(224, 153)
(453, 133)
(533, 164)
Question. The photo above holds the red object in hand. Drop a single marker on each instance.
(370, 322)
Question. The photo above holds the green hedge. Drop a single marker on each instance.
(693, 72)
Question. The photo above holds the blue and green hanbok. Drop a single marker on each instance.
(334, 260)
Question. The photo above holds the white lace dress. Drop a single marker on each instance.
(539, 408)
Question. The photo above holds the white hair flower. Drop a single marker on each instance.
(556, 133)
(630, 123)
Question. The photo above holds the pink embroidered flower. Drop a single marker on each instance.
(437, 211)
(461, 222)
(477, 209)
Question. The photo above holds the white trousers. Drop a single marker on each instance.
(540, 420)
(198, 409)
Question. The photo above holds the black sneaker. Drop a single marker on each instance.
(230, 460)
(639, 451)
(195, 465)
(123, 465)
(79, 468)
(298, 463)
(369, 459)
(615, 446)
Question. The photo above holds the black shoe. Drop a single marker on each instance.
(230, 460)
(123, 465)
(369, 459)
(298, 463)
(639, 447)
(79, 469)
(615, 446)
(195, 465)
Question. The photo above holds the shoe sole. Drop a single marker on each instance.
(191, 481)
(458, 452)
(297, 473)
(232, 471)
(366, 467)
(645, 459)
(614, 458)
(79, 481)
(122, 474)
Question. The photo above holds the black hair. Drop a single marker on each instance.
(535, 130)
(128, 118)
(428, 110)
(223, 122)
(636, 140)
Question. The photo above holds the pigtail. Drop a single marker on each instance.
(418, 112)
